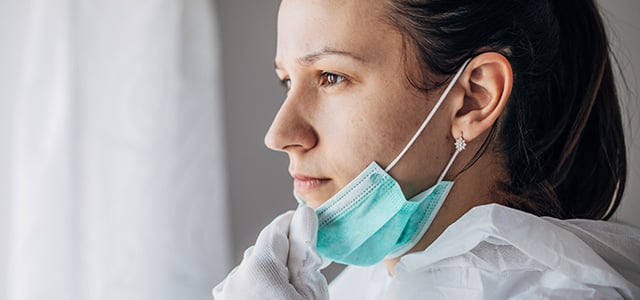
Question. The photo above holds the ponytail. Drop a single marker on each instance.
(575, 152)
(591, 161)
(561, 134)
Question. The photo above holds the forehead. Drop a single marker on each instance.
(355, 26)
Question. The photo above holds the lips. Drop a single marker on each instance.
(304, 184)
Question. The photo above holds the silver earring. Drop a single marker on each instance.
(460, 143)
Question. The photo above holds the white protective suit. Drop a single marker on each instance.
(495, 252)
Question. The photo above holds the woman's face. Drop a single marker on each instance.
(348, 100)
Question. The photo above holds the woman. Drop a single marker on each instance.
(446, 149)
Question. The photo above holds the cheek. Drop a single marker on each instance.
(376, 128)
(350, 148)
(345, 140)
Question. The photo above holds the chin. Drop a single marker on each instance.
(315, 201)
(315, 204)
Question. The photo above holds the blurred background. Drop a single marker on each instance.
(132, 163)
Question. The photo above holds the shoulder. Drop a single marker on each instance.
(494, 252)
(360, 283)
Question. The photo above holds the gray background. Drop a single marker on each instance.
(260, 187)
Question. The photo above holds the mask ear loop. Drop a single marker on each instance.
(429, 117)
(460, 144)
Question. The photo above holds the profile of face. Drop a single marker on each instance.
(349, 102)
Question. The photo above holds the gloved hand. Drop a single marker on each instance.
(283, 264)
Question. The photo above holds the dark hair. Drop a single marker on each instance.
(561, 134)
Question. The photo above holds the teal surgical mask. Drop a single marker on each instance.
(370, 219)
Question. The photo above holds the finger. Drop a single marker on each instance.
(304, 234)
(265, 263)
(302, 240)
(304, 226)
(273, 240)
(304, 262)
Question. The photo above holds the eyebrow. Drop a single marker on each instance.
(315, 56)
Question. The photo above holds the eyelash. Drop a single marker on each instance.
(337, 79)
(327, 79)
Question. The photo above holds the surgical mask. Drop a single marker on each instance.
(370, 219)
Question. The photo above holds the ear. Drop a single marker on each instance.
(487, 83)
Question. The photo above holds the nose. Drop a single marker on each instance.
(291, 129)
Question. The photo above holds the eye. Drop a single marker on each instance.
(286, 83)
(330, 79)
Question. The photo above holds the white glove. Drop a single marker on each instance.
(283, 264)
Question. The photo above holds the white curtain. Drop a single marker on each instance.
(112, 181)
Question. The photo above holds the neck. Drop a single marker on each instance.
(476, 186)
